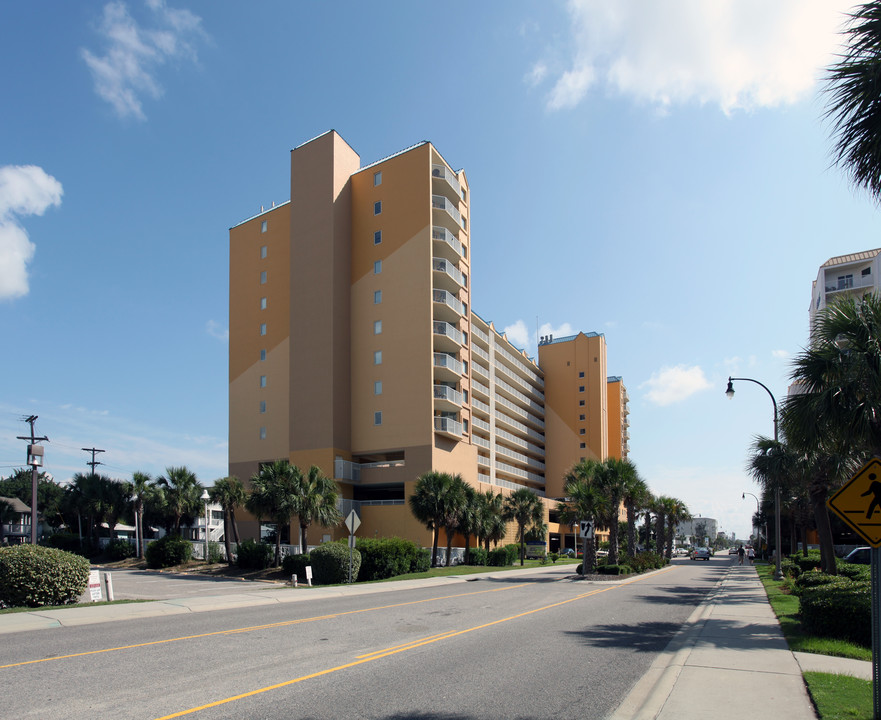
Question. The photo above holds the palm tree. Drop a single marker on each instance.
(317, 502)
(118, 496)
(181, 494)
(855, 103)
(229, 493)
(614, 478)
(275, 493)
(494, 527)
(659, 508)
(636, 497)
(676, 512)
(140, 483)
(454, 501)
(526, 509)
(428, 504)
(585, 500)
(470, 519)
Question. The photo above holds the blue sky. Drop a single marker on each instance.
(658, 173)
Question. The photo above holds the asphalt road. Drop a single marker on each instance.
(537, 646)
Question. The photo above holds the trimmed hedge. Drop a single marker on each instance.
(503, 556)
(841, 608)
(641, 562)
(386, 557)
(168, 551)
(613, 570)
(32, 576)
(810, 579)
(296, 565)
(119, 549)
(477, 556)
(330, 564)
(251, 554)
(855, 571)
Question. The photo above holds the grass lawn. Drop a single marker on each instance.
(840, 697)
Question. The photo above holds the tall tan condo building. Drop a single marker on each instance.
(354, 347)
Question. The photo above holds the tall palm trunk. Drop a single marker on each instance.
(226, 543)
(818, 494)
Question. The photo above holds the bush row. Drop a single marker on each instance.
(32, 576)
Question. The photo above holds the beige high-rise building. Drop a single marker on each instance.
(354, 347)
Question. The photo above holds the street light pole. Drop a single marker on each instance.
(205, 499)
(778, 573)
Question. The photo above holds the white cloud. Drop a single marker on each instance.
(737, 54)
(518, 334)
(216, 330)
(126, 72)
(780, 354)
(24, 190)
(671, 385)
(536, 75)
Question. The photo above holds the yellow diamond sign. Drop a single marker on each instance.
(858, 503)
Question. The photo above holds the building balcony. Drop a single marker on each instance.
(449, 181)
(448, 426)
(448, 367)
(448, 306)
(447, 398)
(447, 275)
(450, 211)
(446, 244)
(447, 336)
(846, 284)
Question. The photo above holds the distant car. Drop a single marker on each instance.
(568, 552)
(701, 553)
(732, 550)
(602, 553)
(680, 551)
(862, 556)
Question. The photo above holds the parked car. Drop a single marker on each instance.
(862, 556)
(701, 553)
(568, 552)
(732, 550)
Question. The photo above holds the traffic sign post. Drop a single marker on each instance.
(587, 528)
(858, 503)
(353, 522)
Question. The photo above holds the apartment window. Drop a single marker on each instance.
(377, 297)
(263, 303)
(262, 433)
(263, 277)
(377, 267)
(263, 252)
(581, 403)
(262, 328)
(262, 381)
(262, 354)
(464, 426)
(582, 446)
(581, 374)
(377, 387)
(581, 388)
(377, 357)
(581, 417)
(377, 207)
(377, 417)
(377, 237)
(377, 178)
(262, 406)
(465, 396)
(263, 226)
(581, 432)
(866, 271)
(377, 327)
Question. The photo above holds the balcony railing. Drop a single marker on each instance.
(448, 299)
(442, 360)
(448, 425)
(446, 267)
(443, 172)
(442, 392)
(441, 234)
(447, 330)
(442, 203)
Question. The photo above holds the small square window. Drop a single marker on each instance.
(377, 327)
(262, 433)
(262, 354)
(377, 417)
(262, 381)
(581, 403)
(581, 417)
(263, 303)
(866, 271)
(377, 207)
(263, 277)
(264, 226)
(377, 357)
(377, 178)
(581, 388)
(581, 374)
(581, 432)
(377, 237)
(263, 251)
(262, 328)
(377, 297)
(582, 446)
(377, 387)
(377, 267)
(464, 426)
(262, 406)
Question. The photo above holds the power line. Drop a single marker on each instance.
(35, 459)
(94, 462)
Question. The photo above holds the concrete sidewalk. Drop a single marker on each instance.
(730, 661)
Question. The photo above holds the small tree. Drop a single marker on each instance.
(526, 509)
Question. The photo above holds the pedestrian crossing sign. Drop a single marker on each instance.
(858, 503)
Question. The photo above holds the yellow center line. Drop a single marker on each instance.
(395, 650)
(254, 628)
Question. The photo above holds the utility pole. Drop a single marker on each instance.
(94, 462)
(35, 460)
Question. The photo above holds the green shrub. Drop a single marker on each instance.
(477, 556)
(385, 557)
(32, 575)
(503, 556)
(251, 554)
(119, 549)
(422, 561)
(806, 564)
(855, 571)
(613, 570)
(296, 565)
(553, 557)
(214, 554)
(69, 543)
(790, 568)
(168, 551)
(841, 608)
(810, 579)
(330, 563)
(645, 561)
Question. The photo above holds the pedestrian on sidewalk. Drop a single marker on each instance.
(741, 553)
(751, 554)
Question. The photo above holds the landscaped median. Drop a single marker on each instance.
(830, 599)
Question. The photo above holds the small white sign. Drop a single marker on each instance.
(353, 522)
(95, 585)
(351, 541)
(587, 527)
(308, 572)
